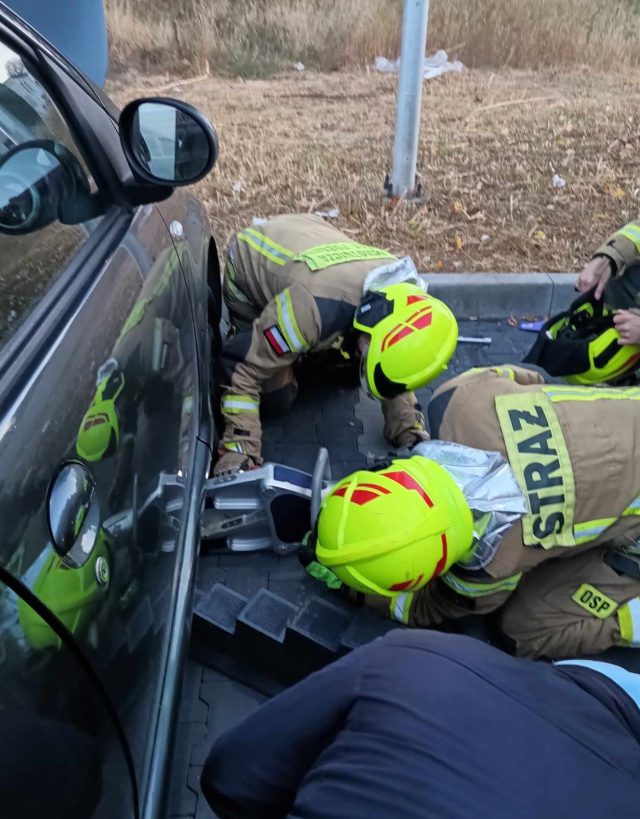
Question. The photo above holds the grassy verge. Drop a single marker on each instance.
(490, 146)
(255, 38)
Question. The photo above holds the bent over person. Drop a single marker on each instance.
(420, 725)
(296, 286)
(528, 506)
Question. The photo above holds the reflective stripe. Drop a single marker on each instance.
(233, 446)
(506, 372)
(632, 233)
(633, 508)
(468, 589)
(287, 323)
(558, 394)
(503, 372)
(400, 606)
(629, 620)
(266, 247)
(273, 246)
(233, 404)
(231, 287)
(591, 529)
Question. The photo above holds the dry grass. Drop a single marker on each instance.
(490, 146)
(259, 37)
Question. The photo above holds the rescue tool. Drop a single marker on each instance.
(272, 507)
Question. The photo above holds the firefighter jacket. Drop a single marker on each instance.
(571, 450)
(292, 286)
(622, 248)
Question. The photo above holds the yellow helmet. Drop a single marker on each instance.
(582, 345)
(412, 339)
(394, 529)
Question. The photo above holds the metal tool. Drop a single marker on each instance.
(272, 507)
(470, 340)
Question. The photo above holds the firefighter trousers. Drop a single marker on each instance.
(574, 606)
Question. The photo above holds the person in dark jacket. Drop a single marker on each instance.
(425, 725)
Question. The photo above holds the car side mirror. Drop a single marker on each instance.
(41, 181)
(167, 141)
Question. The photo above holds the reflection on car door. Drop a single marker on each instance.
(116, 394)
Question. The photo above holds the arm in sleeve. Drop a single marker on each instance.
(404, 421)
(254, 771)
(439, 602)
(288, 326)
(623, 247)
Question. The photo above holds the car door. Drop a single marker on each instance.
(98, 386)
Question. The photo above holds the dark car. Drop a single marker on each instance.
(109, 310)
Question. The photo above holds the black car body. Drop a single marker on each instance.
(109, 299)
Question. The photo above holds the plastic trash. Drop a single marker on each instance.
(299, 66)
(559, 182)
(531, 326)
(434, 66)
(328, 214)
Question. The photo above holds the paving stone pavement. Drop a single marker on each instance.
(331, 413)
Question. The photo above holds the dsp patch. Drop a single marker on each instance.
(539, 458)
(276, 340)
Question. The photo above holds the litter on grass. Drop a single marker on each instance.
(434, 66)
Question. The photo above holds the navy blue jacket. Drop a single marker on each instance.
(421, 724)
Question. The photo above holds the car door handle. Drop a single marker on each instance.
(73, 514)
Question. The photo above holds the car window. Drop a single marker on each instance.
(49, 204)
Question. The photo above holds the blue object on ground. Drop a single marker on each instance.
(83, 41)
(531, 326)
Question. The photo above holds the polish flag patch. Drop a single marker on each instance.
(276, 340)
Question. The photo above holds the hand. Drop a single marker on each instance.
(411, 437)
(627, 323)
(596, 274)
(230, 463)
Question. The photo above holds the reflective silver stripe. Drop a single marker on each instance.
(296, 343)
(633, 607)
(585, 535)
(633, 506)
(233, 404)
(632, 233)
(265, 246)
(481, 589)
(398, 607)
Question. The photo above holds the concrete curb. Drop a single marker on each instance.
(500, 295)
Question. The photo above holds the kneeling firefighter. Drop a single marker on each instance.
(529, 504)
(296, 286)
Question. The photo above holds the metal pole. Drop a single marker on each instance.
(412, 53)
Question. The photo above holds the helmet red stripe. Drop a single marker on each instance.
(423, 321)
(396, 335)
(443, 560)
(404, 479)
(361, 495)
(413, 299)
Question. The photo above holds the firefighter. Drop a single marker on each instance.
(420, 724)
(612, 259)
(296, 285)
(527, 506)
